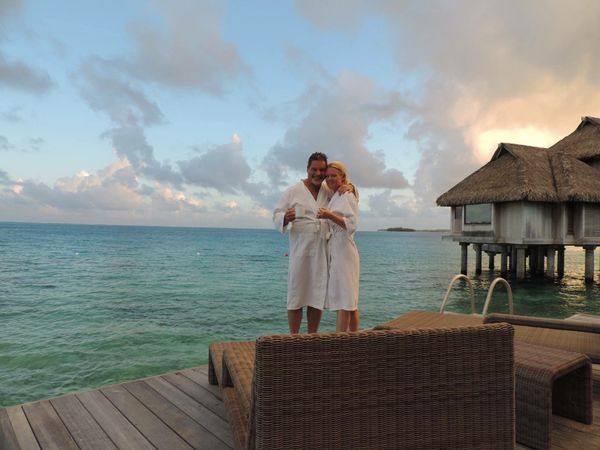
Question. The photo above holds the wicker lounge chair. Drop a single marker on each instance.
(571, 335)
(419, 389)
(548, 380)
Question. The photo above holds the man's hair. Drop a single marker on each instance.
(316, 156)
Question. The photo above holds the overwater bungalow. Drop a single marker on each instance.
(528, 203)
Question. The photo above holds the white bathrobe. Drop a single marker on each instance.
(307, 272)
(344, 263)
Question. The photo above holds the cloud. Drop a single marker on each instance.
(129, 141)
(32, 145)
(4, 178)
(6, 146)
(187, 51)
(489, 71)
(9, 6)
(11, 115)
(105, 90)
(338, 125)
(19, 75)
(164, 198)
(387, 204)
(83, 191)
(223, 168)
(344, 15)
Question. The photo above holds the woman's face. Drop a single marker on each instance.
(334, 178)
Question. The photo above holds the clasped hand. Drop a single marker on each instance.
(323, 213)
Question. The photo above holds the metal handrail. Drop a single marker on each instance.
(471, 292)
(491, 290)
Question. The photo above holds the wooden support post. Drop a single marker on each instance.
(561, 261)
(589, 263)
(463, 257)
(549, 262)
(513, 259)
(491, 256)
(520, 269)
(533, 260)
(477, 248)
(503, 265)
(541, 256)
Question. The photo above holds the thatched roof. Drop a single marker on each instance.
(583, 143)
(519, 172)
(515, 172)
(575, 180)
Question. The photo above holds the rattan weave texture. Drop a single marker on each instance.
(418, 389)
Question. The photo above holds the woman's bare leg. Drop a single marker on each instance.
(343, 320)
(354, 320)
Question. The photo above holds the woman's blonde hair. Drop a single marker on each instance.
(339, 166)
(342, 168)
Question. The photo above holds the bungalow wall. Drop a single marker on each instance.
(528, 223)
(591, 223)
(456, 219)
(508, 222)
(536, 223)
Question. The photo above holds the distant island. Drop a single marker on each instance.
(412, 229)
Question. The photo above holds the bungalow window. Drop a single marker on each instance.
(592, 220)
(478, 214)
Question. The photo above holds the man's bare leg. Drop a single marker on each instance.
(294, 320)
(354, 320)
(314, 319)
(343, 319)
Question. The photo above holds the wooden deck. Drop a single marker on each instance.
(178, 410)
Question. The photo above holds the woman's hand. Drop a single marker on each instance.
(323, 213)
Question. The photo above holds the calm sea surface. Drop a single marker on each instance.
(84, 306)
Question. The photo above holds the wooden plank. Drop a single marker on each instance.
(115, 424)
(193, 433)
(82, 426)
(23, 431)
(48, 428)
(572, 439)
(592, 429)
(198, 393)
(8, 438)
(201, 378)
(201, 414)
(160, 435)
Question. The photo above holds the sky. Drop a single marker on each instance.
(201, 113)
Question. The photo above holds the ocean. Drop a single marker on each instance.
(83, 306)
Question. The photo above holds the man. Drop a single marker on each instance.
(307, 274)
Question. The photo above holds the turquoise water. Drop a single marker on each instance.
(84, 306)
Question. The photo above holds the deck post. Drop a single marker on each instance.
(491, 256)
(503, 265)
(520, 263)
(513, 259)
(477, 248)
(540, 260)
(463, 257)
(589, 263)
(533, 259)
(560, 260)
(549, 262)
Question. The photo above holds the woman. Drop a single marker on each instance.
(344, 264)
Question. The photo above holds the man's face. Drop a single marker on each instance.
(316, 172)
